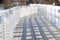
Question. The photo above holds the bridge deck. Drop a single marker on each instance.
(35, 27)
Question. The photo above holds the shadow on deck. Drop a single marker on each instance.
(35, 27)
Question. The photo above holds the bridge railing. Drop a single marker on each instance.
(8, 22)
(51, 13)
(54, 16)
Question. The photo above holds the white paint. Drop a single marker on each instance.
(11, 20)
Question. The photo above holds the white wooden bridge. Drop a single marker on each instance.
(34, 22)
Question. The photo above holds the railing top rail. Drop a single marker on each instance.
(46, 6)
